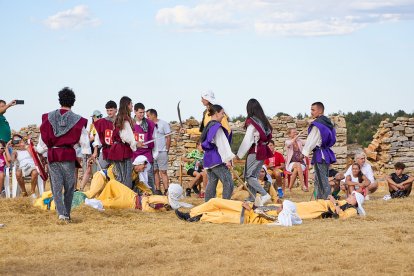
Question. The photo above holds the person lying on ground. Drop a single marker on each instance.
(399, 183)
(230, 211)
(139, 178)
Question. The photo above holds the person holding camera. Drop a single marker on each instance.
(5, 131)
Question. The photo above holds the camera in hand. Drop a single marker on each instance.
(19, 101)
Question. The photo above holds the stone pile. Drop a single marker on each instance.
(392, 143)
(31, 131)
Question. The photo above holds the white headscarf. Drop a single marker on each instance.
(175, 194)
(269, 178)
(288, 216)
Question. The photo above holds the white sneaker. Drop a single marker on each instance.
(34, 196)
(265, 199)
(367, 197)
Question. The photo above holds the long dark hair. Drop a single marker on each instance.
(360, 174)
(254, 109)
(123, 113)
(215, 108)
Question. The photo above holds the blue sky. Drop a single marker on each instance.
(351, 55)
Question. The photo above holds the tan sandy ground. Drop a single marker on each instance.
(130, 242)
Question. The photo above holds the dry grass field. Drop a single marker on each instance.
(129, 242)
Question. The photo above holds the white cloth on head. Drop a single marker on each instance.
(139, 160)
(175, 194)
(143, 176)
(360, 199)
(209, 96)
(288, 216)
(269, 178)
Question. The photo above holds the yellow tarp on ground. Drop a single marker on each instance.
(116, 195)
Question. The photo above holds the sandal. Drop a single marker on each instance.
(305, 189)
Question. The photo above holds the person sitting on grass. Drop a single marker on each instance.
(356, 181)
(194, 168)
(335, 178)
(399, 183)
(366, 170)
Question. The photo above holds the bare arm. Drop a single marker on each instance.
(168, 142)
(5, 107)
(349, 182)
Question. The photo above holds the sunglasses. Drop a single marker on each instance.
(2, 148)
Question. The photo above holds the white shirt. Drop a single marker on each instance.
(223, 146)
(314, 140)
(83, 143)
(366, 170)
(127, 136)
(251, 137)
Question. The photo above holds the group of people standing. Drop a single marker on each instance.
(120, 141)
(124, 142)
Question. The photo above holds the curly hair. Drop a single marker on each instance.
(67, 97)
(111, 104)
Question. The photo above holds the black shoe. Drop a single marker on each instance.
(194, 219)
(188, 192)
(158, 192)
(195, 189)
(182, 216)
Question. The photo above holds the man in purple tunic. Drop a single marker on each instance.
(321, 137)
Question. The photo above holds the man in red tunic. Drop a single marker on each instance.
(60, 132)
(104, 129)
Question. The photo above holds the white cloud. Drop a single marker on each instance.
(285, 17)
(75, 18)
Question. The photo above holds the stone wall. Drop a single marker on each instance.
(184, 143)
(392, 143)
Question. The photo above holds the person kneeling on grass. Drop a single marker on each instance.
(399, 184)
(229, 211)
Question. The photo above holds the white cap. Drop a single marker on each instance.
(141, 159)
(209, 96)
